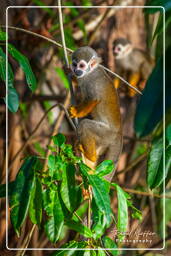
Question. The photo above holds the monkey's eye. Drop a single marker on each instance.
(118, 48)
(82, 65)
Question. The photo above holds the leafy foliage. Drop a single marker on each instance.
(57, 193)
(12, 99)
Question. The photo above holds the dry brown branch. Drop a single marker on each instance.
(34, 130)
(133, 163)
(56, 127)
(145, 193)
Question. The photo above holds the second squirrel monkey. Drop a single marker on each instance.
(135, 61)
(100, 129)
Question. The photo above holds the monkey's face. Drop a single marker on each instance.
(121, 48)
(84, 61)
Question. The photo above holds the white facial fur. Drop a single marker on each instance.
(121, 51)
(83, 67)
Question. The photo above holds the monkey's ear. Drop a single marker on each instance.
(95, 61)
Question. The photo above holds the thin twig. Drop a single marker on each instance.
(145, 193)
(69, 50)
(133, 164)
(78, 217)
(37, 126)
(73, 102)
(62, 33)
(121, 78)
(26, 241)
(37, 35)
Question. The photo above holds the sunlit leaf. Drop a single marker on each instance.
(101, 196)
(98, 225)
(109, 243)
(63, 77)
(104, 168)
(122, 222)
(101, 252)
(80, 228)
(2, 35)
(55, 222)
(59, 139)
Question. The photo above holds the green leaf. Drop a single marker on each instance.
(69, 39)
(21, 193)
(35, 208)
(98, 227)
(160, 25)
(109, 243)
(59, 139)
(164, 3)
(80, 228)
(104, 168)
(137, 214)
(86, 2)
(153, 165)
(149, 110)
(13, 99)
(168, 134)
(41, 3)
(101, 196)
(2, 35)
(122, 211)
(3, 189)
(68, 187)
(168, 160)
(25, 65)
(100, 191)
(38, 147)
(52, 206)
(101, 252)
(63, 77)
(56, 166)
(73, 245)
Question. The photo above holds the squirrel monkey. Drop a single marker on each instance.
(99, 131)
(135, 61)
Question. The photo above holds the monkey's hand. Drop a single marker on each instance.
(83, 109)
(73, 111)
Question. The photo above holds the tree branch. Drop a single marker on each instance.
(69, 50)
